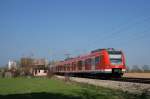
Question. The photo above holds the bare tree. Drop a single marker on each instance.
(128, 69)
(136, 68)
(146, 68)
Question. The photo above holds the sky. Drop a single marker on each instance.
(53, 28)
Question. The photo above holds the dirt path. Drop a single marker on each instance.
(137, 75)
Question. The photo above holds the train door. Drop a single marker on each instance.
(102, 62)
(93, 64)
(88, 64)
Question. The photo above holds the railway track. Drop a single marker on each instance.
(134, 80)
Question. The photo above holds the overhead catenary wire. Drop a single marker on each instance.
(130, 35)
(127, 34)
(134, 38)
(119, 31)
(113, 36)
(130, 26)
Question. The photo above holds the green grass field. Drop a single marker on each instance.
(38, 88)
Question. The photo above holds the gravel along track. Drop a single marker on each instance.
(123, 79)
(136, 88)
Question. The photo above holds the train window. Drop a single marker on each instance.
(65, 67)
(97, 60)
(88, 62)
(72, 64)
(80, 64)
(93, 61)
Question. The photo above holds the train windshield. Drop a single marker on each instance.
(115, 57)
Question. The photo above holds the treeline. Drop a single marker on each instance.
(138, 68)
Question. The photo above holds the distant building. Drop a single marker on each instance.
(40, 67)
(40, 71)
(26, 62)
(12, 64)
(39, 62)
(36, 67)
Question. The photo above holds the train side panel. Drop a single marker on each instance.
(101, 62)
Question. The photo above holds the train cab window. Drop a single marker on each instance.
(97, 60)
(115, 57)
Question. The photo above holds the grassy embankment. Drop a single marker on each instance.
(29, 88)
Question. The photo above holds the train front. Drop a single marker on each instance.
(116, 61)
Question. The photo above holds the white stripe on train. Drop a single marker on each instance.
(103, 71)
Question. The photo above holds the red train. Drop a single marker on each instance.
(100, 62)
